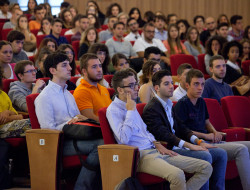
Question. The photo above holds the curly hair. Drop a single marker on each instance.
(147, 70)
(230, 44)
(109, 9)
(221, 41)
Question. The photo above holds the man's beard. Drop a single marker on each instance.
(92, 78)
(219, 77)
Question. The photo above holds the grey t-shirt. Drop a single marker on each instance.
(8, 25)
(19, 57)
(194, 51)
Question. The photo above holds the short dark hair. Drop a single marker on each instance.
(156, 79)
(230, 44)
(56, 20)
(222, 25)
(198, 16)
(149, 50)
(38, 8)
(76, 18)
(117, 23)
(234, 19)
(182, 67)
(160, 17)
(111, 16)
(85, 59)
(64, 4)
(213, 58)
(53, 60)
(193, 73)
(82, 17)
(116, 57)
(3, 2)
(147, 24)
(119, 76)
(131, 18)
(15, 35)
(221, 41)
(20, 66)
(149, 15)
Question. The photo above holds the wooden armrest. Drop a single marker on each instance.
(41, 131)
(23, 113)
(117, 146)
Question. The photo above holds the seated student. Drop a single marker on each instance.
(26, 85)
(67, 18)
(56, 30)
(213, 47)
(237, 27)
(133, 27)
(16, 40)
(173, 44)
(171, 19)
(4, 8)
(214, 87)
(222, 30)
(83, 25)
(61, 109)
(41, 58)
(192, 110)
(199, 23)
(181, 90)
(123, 17)
(107, 34)
(16, 13)
(73, 10)
(246, 50)
(223, 18)
(160, 33)
(147, 92)
(120, 61)
(148, 41)
(183, 26)
(135, 13)
(94, 21)
(166, 126)
(211, 30)
(39, 14)
(45, 26)
(89, 37)
(149, 16)
(30, 39)
(75, 26)
(193, 44)
(100, 15)
(155, 159)
(231, 52)
(11, 124)
(247, 32)
(117, 44)
(90, 96)
(6, 54)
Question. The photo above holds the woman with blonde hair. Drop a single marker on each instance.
(73, 10)
(193, 44)
(67, 18)
(147, 91)
(123, 17)
(88, 38)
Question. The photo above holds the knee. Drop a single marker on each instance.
(207, 157)
(243, 150)
(208, 169)
(177, 178)
(222, 156)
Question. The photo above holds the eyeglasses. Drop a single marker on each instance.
(132, 86)
(101, 53)
(31, 71)
(133, 24)
(69, 52)
(152, 32)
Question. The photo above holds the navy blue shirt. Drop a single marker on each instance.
(216, 90)
(61, 40)
(194, 117)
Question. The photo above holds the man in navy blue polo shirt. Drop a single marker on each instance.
(56, 30)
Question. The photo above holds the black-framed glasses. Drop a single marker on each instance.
(31, 71)
(150, 32)
(132, 24)
(69, 53)
(132, 86)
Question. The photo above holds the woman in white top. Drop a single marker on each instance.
(45, 26)
(147, 91)
(76, 26)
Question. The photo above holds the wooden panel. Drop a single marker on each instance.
(185, 9)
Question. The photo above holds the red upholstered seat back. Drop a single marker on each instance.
(104, 27)
(63, 31)
(39, 40)
(32, 59)
(178, 59)
(201, 63)
(78, 68)
(74, 79)
(5, 33)
(30, 99)
(6, 84)
(111, 91)
(75, 45)
(68, 37)
(35, 31)
(44, 79)
(245, 66)
(1, 28)
(108, 78)
(140, 108)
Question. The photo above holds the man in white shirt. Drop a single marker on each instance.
(181, 90)
(133, 27)
(222, 30)
(16, 13)
(148, 41)
(4, 9)
(160, 33)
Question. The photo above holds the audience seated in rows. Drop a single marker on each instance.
(39, 15)
(45, 26)
(4, 9)
(107, 34)
(192, 110)
(155, 159)
(117, 44)
(181, 90)
(26, 85)
(16, 13)
(133, 27)
(214, 87)
(222, 30)
(90, 96)
(83, 25)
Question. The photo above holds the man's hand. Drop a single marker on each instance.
(209, 136)
(163, 150)
(197, 148)
(39, 85)
(130, 105)
(73, 120)
(4, 116)
(205, 145)
(217, 137)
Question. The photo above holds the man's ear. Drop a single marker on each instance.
(179, 77)
(52, 70)
(186, 85)
(120, 90)
(156, 87)
(84, 71)
(144, 60)
(20, 76)
(211, 69)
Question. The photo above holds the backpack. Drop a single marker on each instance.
(129, 183)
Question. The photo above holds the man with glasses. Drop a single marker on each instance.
(26, 85)
(107, 34)
(211, 30)
(90, 96)
(148, 40)
(133, 27)
(16, 40)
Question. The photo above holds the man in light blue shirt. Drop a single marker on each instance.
(56, 107)
(107, 34)
(160, 33)
(155, 159)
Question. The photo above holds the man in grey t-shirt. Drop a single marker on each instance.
(16, 13)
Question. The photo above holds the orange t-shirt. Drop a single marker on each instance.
(34, 25)
(87, 96)
(177, 51)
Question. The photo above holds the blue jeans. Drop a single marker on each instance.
(215, 156)
(86, 179)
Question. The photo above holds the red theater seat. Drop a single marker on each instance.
(201, 65)
(5, 33)
(63, 31)
(35, 31)
(105, 27)
(39, 39)
(76, 47)
(74, 79)
(108, 78)
(245, 66)
(6, 84)
(68, 37)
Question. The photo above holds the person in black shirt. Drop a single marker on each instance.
(41, 58)
(211, 30)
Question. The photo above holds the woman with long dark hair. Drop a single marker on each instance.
(100, 15)
(31, 7)
(183, 26)
(45, 26)
(135, 13)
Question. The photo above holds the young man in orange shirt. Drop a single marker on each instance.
(39, 14)
(90, 96)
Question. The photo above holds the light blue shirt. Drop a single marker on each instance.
(168, 109)
(128, 126)
(55, 107)
(161, 36)
(105, 35)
